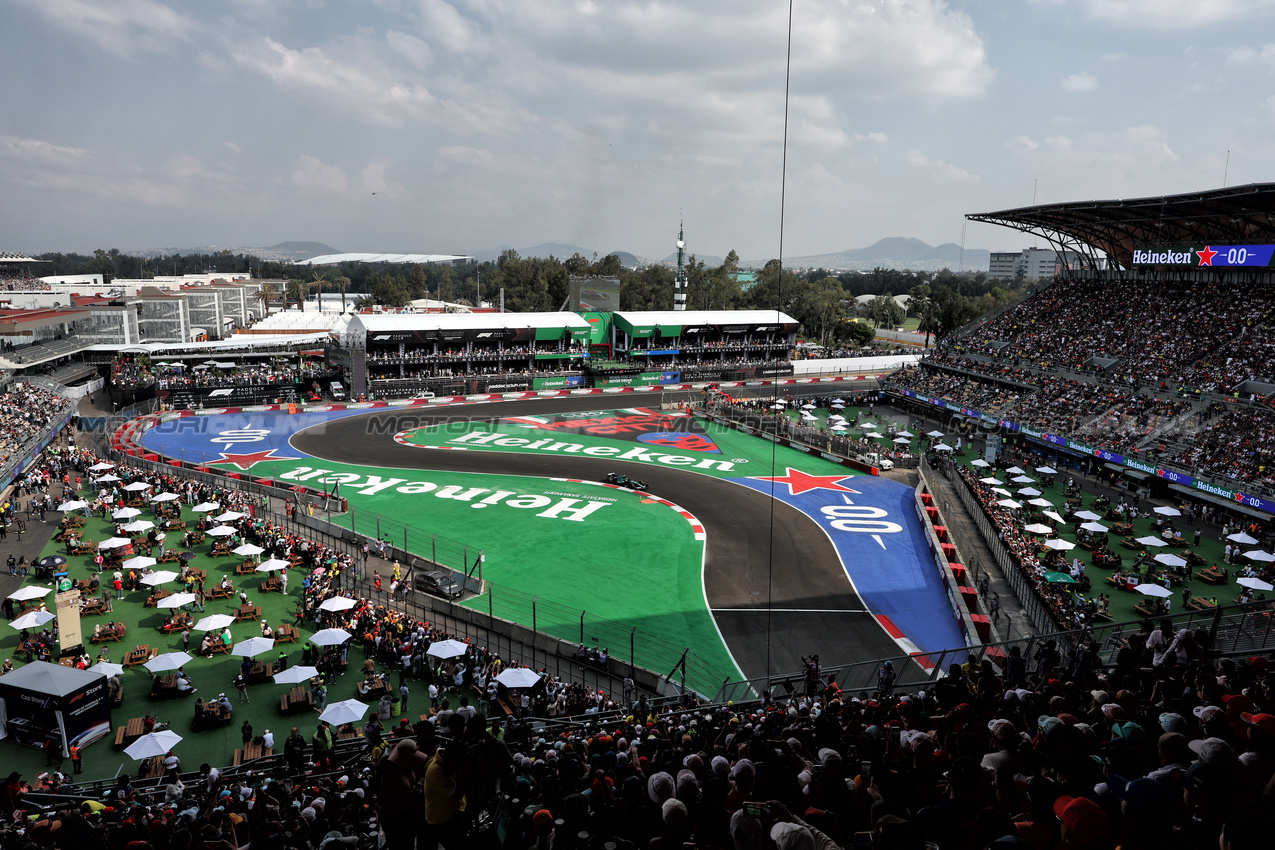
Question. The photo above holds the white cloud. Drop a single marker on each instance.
(1022, 144)
(372, 179)
(37, 152)
(370, 91)
(1176, 14)
(1252, 56)
(940, 171)
(232, 147)
(313, 175)
(1082, 82)
(123, 28)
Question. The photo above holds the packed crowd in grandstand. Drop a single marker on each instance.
(127, 372)
(1235, 444)
(25, 411)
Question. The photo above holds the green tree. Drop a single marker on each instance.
(822, 307)
(884, 310)
(267, 295)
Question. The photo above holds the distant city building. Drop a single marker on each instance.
(1029, 264)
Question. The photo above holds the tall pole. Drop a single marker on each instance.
(679, 285)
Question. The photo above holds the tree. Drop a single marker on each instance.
(923, 307)
(822, 305)
(884, 310)
(364, 302)
(267, 295)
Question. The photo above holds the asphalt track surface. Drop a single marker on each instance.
(758, 548)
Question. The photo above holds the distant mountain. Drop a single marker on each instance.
(895, 252)
(708, 260)
(561, 251)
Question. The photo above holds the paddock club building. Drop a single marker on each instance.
(401, 355)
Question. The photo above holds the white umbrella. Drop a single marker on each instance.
(32, 620)
(836, 416)
(838, 401)
(295, 675)
(107, 669)
(345, 711)
(838, 406)
(222, 531)
(1237, 537)
(990, 481)
(980, 463)
(1023, 479)
(1054, 516)
(838, 428)
(1059, 545)
(1009, 503)
(807, 416)
(252, 647)
(518, 677)
(941, 447)
(248, 549)
(205, 507)
(76, 504)
(101, 467)
(167, 661)
(906, 434)
(1041, 503)
(872, 436)
(337, 603)
(1038, 528)
(447, 649)
(126, 513)
(1002, 492)
(229, 516)
(153, 744)
(1028, 491)
(1151, 541)
(1259, 555)
(158, 577)
(107, 479)
(142, 561)
(137, 487)
(807, 406)
(272, 565)
(1167, 511)
(1014, 470)
(1154, 590)
(165, 497)
(214, 622)
(29, 592)
(1046, 470)
(1251, 582)
(176, 600)
(1096, 527)
(934, 434)
(140, 525)
(778, 406)
(114, 543)
(330, 637)
(902, 440)
(1088, 516)
(1170, 560)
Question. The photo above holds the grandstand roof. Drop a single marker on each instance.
(705, 317)
(1236, 215)
(331, 259)
(463, 321)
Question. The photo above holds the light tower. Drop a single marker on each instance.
(679, 284)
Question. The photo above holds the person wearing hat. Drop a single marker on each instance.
(401, 805)
(1084, 824)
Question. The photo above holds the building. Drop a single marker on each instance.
(1029, 264)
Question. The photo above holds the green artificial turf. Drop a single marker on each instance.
(210, 676)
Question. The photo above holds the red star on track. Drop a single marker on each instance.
(799, 482)
(247, 461)
(1206, 256)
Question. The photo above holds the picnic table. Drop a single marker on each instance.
(297, 699)
(219, 592)
(247, 568)
(1199, 603)
(252, 750)
(165, 687)
(115, 634)
(152, 768)
(84, 547)
(1213, 575)
(139, 655)
(209, 714)
(92, 605)
(221, 548)
(170, 556)
(261, 672)
(177, 623)
(197, 574)
(129, 732)
(272, 584)
(247, 611)
(156, 595)
(71, 521)
(1122, 527)
(285, 634)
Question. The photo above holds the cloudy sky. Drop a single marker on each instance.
(465, 125)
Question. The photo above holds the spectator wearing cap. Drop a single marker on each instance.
(1084, 824)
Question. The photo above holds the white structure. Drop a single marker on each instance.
(1029, 264)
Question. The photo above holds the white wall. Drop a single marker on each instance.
(853, 364)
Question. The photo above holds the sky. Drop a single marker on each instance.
(463, 126)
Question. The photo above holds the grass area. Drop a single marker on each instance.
(1210, 548)
(210, 676)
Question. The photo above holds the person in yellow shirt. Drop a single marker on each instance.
(444, 802)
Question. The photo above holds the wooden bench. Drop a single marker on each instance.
(247, 568)
(272, 584)
(296, 699)
(1199, 603)
(252, 750)
(181, 622)
(170, 556)
(153, 599)
(105, 635)
(247, 612)
(1212, 577)
(84, 547)
(218, 592)
(139, 655)
(130, 732)
(285, 634)
(221, 549)
(219, 648)
(92, 605)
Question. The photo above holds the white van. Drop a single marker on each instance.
(874, 459)
(338, 391)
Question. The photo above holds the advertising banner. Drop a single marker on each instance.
(68, 605)
(565, 382)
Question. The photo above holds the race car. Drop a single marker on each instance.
(624, 481)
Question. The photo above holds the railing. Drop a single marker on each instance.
(1236, 630)
(1035, 609)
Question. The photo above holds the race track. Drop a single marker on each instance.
(758, 548)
